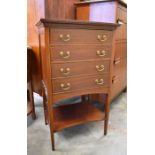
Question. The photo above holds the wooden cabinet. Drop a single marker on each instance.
(113, 11)
(36, 9)
(68, 72)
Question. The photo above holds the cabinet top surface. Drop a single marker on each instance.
(77, 23)
(95, 1)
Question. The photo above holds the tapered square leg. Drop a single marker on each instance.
(105, 127)
(52, 133)
(125, 90)
(49, 118)
(107, 107)
(33, 115)
(31, 99)
(52, 142)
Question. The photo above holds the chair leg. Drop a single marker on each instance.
(51, 129)
(33, 114)
(107, 107)
(105, 127)
(125, 90)
(52, 141)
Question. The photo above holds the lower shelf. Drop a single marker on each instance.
(75, 114)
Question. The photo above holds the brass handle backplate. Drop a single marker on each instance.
(102, 37)
(65, 55)
(65, 71)
(99, 81)
(64, 38)
(100, 68)
(119, 21)
(66, 86)
(101, 53)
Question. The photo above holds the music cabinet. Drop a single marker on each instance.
(76, 60)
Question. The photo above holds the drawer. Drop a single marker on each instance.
(79, 36)
(80, 52)
(122, 14)
(80, 83)
(119, 81)
(120, 49)
(120, 66)
(80, 68)
(121, 32)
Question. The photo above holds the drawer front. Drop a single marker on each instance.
(80, 83)
(120, 50)
(80, 52)
(79, 36)
(118, 86)
(120, 66)
(80, 68)
(122, 14)
(121, 32)
(119, 81)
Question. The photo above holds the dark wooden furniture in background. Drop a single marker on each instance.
(113, 11)
(36, 9)
(30, 99)
(76, 58)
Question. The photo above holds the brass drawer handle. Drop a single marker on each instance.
(65, 55)
(65, 71)
(115, 79)
(100, 68)
(99, 81)
(65, 87)
(117, 61)
(101, 53)
(119, 21)
(64, 38)
(102, 38)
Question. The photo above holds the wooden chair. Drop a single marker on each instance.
(30, 99)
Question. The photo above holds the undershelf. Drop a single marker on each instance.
(75, 114)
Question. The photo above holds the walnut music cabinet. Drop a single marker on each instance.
(76, 60)
(112, 11)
